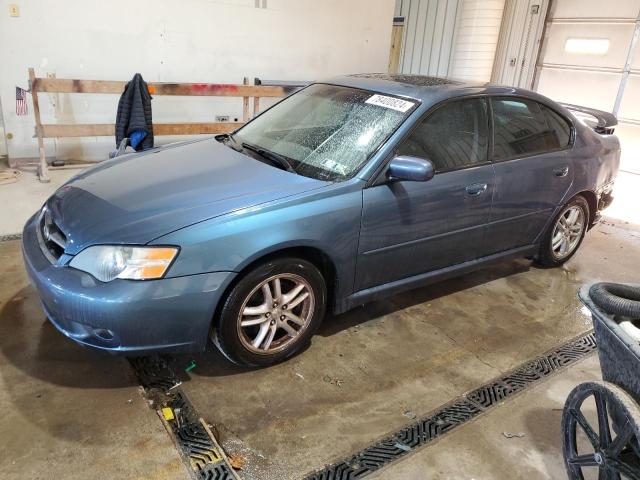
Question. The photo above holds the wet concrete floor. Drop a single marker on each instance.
(369, 370)
(520, 440)
(70, 412)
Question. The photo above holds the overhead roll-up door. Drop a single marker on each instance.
(590, 56)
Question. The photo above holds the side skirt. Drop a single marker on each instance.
(404, 284)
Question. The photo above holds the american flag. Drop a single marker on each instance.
(21, 101)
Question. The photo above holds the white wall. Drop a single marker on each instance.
(218, 41)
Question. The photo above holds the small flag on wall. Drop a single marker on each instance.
(21, 101)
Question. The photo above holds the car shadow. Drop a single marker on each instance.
(30, 343)
(212, 363)
(422, 295)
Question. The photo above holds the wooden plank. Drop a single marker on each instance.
(194, 128)
(43, 173)
(79, 130)
(65, 85)
(396, 47)
(159, 129)
(245, 104)
(256, 106)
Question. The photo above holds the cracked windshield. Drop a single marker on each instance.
(324, 131)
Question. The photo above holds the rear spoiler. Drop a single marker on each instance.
(606, 120)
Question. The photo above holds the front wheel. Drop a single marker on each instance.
(271, 313)
(565, 234)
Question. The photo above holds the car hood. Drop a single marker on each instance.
(140, 197)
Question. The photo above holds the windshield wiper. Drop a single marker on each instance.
(273, 156)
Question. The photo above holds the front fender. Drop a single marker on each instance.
(327, 220)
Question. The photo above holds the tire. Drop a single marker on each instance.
(610, 447)
(550, 257)
(254, 329)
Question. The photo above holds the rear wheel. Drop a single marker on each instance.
(565, 234)
(271, 313)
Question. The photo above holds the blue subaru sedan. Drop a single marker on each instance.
(346, 191)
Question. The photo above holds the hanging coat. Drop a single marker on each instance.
(133, 120)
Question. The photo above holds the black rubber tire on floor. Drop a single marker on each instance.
(618, 415)
(225, 333)
(545, 256)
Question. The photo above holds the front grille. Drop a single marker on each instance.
(52, 240)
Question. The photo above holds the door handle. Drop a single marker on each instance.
(476, 189)
(561, 171)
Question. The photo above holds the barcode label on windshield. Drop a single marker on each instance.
(390, 102)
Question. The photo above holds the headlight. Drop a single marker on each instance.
(108, 262)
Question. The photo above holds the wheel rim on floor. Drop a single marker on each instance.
(567, 232)
(276, 313)
(612, 458)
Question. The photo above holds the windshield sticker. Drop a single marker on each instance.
(390, 102)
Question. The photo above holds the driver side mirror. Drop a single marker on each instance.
(412, 169)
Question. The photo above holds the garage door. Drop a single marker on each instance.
(589, 57)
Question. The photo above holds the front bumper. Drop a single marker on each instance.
(125, 316)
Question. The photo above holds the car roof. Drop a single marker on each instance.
(429, 90)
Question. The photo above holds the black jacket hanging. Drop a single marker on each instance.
(133, 119)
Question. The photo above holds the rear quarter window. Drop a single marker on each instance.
(559, 125)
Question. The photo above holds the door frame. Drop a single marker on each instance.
(520, 47)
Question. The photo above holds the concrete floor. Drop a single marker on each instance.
(69, 412)
(412, 352)
(480, 450)
(23, 198)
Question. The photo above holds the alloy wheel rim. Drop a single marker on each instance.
(567, 232)
(276, 313)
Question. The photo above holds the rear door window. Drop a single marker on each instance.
(525, 127)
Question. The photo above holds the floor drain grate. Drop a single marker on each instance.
(198, 448)
(11, 236)
(456, 413)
